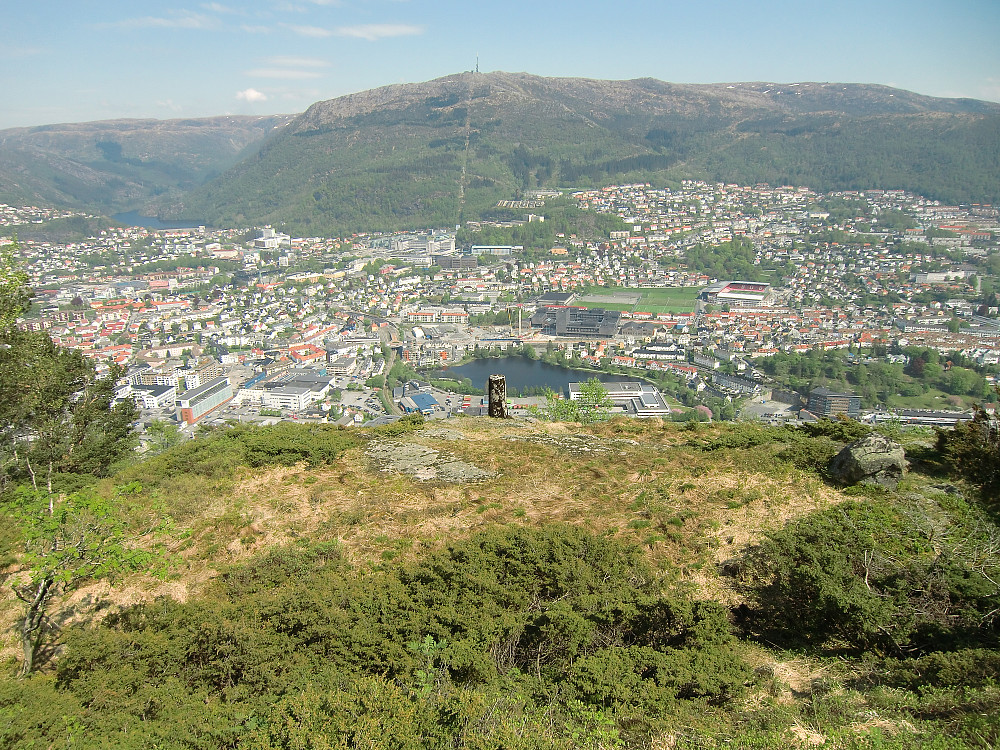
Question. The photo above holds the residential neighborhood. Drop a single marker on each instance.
(252, 324)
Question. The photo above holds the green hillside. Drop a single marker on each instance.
(435, 153)
(630, 584)
(122, 165)
(440, 152)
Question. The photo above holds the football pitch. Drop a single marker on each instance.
(661, 300)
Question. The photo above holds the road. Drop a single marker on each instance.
(386, 335)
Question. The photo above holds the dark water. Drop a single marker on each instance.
(133, 219)
(522, 372)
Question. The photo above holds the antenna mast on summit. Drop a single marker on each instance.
(477, 63)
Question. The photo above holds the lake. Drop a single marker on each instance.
(521, 372)
(133, 219)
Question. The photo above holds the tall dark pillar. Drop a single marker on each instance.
(497, 388)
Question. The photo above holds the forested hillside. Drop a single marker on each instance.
(437, 153)
(440, 152)
(122, 165)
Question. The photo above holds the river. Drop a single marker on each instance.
(521, 372)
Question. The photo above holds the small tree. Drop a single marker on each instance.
(56, 414)
(162, 435)
(67, 541)
(594, 405)
(14, 292)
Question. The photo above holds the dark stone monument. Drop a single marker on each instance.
(497, 388)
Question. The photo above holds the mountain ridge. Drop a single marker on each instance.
(439, 152)
(122, 164)
(738, 92)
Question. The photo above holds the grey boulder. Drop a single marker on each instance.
(874, 459)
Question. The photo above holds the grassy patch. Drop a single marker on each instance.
(657, 301)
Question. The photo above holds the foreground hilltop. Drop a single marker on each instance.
(479, 583)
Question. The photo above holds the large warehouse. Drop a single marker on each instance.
(634, 399)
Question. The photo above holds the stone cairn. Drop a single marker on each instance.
(497, 388)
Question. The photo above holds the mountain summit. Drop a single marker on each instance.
(435, 153)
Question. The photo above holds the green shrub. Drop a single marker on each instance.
(401, 426)
(966, 667)
(745, 435)
(861, 575)
(810, 454)
(560, 627)
(278, 567)
(842, 430)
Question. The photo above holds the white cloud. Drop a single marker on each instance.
(375, 31)
(251, 95)
(219, 8)
(371, 32)
(313, 31)
(299, 62)
(256, 29)
(286, 73)
(184, 19)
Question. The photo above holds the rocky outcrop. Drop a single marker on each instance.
(874, 459)
(424, 463)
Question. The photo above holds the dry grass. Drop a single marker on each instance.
(640, 481)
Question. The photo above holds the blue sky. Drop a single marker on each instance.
(82, 60)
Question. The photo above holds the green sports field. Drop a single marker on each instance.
(656, 301)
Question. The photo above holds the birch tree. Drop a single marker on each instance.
(67, 541)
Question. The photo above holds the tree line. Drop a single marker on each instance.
(879, 382)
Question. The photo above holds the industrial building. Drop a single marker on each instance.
(194, 404)
(739, 294)
(826, 403)
(497, 250)
(424, 403)
(437, 315)
(577, 321)
(154, 396)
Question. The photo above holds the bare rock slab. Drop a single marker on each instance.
(424, 463)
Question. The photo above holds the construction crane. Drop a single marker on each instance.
(510, 319)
